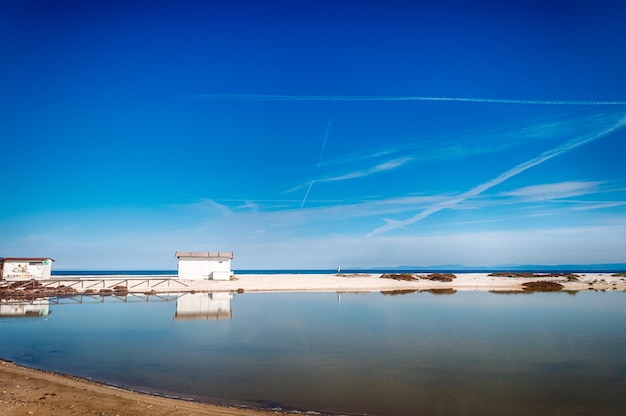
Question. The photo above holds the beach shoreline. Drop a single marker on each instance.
(28, 391)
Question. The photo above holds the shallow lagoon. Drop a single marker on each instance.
(470, 353)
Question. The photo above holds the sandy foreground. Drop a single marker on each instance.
(25, 391)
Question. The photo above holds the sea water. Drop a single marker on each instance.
(468, 353)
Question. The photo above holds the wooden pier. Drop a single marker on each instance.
(133, 284)
(91, 284)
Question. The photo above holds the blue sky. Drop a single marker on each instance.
(313, 134)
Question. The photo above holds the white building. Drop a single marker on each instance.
(204, 265)
(25, 268)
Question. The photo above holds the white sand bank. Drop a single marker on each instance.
(349, 282)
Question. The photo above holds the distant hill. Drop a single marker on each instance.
(605, 267)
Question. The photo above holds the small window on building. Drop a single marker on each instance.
(35, 263)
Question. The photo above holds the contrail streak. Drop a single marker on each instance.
(306, 194)
(270, 97)
(319, 162)
(545, 156)
(330, 122)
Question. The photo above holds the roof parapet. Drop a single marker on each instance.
(205, 254)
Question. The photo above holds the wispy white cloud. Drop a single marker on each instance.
(545, 156)
(382, 167)
(270, 97)
(554, 190)
(248, 205)
(592, 205)
(360, 173)
(550, 199)
(377, 153)
(208, 206)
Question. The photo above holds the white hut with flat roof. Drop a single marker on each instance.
(25, 268)
(198, 265)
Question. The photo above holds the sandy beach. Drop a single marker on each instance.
(374, 282)
(25, 391)
(359, 282)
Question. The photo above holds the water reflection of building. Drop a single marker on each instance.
(204, 306)
(39, 307)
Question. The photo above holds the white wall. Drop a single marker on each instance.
(196, 268)
(26, 270)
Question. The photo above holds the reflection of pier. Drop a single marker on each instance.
(204, 306)
(86, 298)
(37, 307)
(110, 298)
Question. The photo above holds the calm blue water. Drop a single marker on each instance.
(470, 353)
